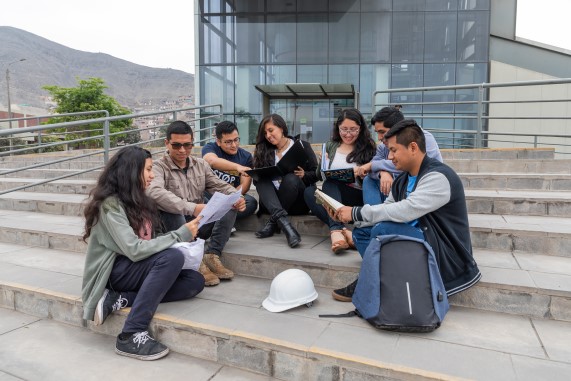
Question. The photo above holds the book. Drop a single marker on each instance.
(345, 175)
(327, 200)
(293, 158)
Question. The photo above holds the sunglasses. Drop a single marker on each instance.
(179, 145)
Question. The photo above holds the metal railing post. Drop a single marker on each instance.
(106, 139)
(479, 118)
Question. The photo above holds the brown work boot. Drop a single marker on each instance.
(214, 264)
(209, 278)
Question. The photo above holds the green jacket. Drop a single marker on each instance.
(112, 236)
(330, 149)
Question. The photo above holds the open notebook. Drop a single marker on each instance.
(345, 175)
(293, 158)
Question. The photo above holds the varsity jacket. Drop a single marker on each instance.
(437, 201)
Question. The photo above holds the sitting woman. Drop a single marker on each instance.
(282, 196)
(124, 265)
(351, 146)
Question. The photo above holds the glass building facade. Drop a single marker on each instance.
(370, 44)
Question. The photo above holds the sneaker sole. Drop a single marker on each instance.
(98, 318)
(156, 356)
(341, 298)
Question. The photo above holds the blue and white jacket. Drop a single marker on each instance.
(438, 203)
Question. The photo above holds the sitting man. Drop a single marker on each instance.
(381, 171)
(427, 202)
(178, 189)
(230, 162)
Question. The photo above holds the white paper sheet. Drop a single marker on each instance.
(218, 206)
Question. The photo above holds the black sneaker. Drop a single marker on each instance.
(141, 346)
(345, 294)
(109, 302)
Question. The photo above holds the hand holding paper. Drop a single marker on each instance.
(218, 206)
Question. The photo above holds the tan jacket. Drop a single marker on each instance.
(177, 192)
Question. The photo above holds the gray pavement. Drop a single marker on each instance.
(32, 348)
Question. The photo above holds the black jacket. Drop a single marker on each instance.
(446, 229)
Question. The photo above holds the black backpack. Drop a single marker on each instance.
(400, 287)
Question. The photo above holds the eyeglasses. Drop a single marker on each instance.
(230, 142)
(349, 131)
(178, 146)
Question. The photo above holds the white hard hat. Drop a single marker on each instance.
(289, 289)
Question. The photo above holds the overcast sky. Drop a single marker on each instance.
(545, 21)
(161, 33)
(147, 32)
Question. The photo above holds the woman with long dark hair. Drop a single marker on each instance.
(351, 146)
(125, 266)
(282, 196)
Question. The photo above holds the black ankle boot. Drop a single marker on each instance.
(293, 237)
(268, 230)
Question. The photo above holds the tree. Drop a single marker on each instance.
(89, 96)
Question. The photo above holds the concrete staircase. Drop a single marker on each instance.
(514, 324)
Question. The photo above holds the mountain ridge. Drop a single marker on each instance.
(50, 63)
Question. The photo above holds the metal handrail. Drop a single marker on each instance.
(481, 113)
(104, 136)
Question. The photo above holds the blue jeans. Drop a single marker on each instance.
(372, 194)
(362, 236)
(153, 280)
(218, 231)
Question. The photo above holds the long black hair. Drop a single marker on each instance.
(365, 147)
(264, 152)
(122, 177)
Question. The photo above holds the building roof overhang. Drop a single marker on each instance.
(307, 90)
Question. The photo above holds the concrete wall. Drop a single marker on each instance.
(502, 72)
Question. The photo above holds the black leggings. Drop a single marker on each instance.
(286, 200)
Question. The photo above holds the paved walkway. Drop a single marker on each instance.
(37, 349)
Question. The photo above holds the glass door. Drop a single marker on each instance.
(311, 119)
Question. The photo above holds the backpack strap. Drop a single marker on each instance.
(348, 314)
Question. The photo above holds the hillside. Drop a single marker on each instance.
(49, 63)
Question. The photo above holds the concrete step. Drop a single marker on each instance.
(498, 153)
(543, 203)
(227, 324)
(75, 164)
(54, 199)
(521, 283)
(76, 186)
(516, 181)
(52, 203)
(544, 234)
(539, 234)
(513, 281)
(511, 166)
(42, 173)
(88, 355)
